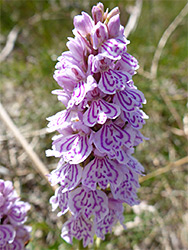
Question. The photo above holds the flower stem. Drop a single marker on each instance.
(80, 246)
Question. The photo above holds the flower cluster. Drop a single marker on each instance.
(99, 128)
(13, 234)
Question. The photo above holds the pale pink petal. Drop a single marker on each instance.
(74, 148)
(60, 199)
(99, 111)
(110, 139)
(129, 99)
(113, 48)
(113, 80)
(101, 171)
(79, 227)
(89, 203)
(67, 175)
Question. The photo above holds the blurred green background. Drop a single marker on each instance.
(27, 81)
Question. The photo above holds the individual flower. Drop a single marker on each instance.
(98, 130)
(13, 214)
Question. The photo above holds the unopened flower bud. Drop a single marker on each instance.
(97, 13)
(83, 24)
(99, 34)
(112, 13)
(114, 26)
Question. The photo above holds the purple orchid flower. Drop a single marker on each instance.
(99, 128)
(13, 214)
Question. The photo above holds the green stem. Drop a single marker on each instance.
(80, 246)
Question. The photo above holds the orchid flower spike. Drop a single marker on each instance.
(98, 130)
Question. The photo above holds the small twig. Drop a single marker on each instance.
(27, 134)
(3, 170)
(37, 163)
(164, 38)
(172, 109)
(133, 19)
(144, 73)
(177, 131)
(163, 170)
(11, 39)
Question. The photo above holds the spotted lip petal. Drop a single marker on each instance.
(113, 80)
(62, 119)
(126, 191)
(78, 94)
(68, 175)
(79, 227)
(113, 48)
(115, 213)
(17, 213)
(60, 199)
(101, 171)
(80, 91)
(130, 60)
(17, 244)
(105, 226)
(89, 203)
(135, 118)
(110, 139)
(7, 235)
(99, 111)
(73, 148)
(129, 99)
(136, 166)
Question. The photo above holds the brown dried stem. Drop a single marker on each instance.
(163, 170)
(164, 39)
(11, 39)
(133, 19)
(37, 163)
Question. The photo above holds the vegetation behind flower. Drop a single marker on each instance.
(25, 82)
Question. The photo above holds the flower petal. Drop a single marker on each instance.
(99, 35)
(113, 80)
(135, 118)
(73, 148)
(62, 119)
(7, 235)
(81, 90)
(60, 199)
(68, 175)
(129, 99)
(110, 139)
(101, 171)
(115, 213)
(127, 192)
(17, 213)
(17, 244)
(99, 111)
(113, 48)
(83, 23)
(136, 166)
(80, 228)
(89, 203)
